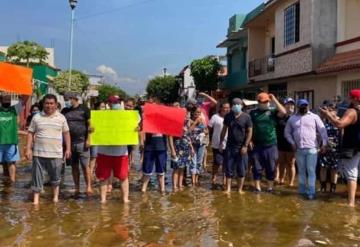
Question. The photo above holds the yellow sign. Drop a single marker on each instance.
(114, 127)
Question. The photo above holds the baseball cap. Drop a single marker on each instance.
(237, 101)
(263, 97)
(70, 95)
(113, 99)
(301, 102)
(355, 93)
(289, 100)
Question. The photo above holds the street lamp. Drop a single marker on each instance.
(73, 4)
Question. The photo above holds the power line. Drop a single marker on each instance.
(115, 9)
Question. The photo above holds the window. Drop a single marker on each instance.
(273, 46)
(292, 24)
(308, 95)
(347, 86)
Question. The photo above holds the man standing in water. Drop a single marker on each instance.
(9, 152)
(301, 132)
(78, 119)
(238, 125)
(350, 144)
(44, 145)
(216, 124)
(264, 138)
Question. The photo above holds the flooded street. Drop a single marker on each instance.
(193, 217)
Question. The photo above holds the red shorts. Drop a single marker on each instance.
(118, 164)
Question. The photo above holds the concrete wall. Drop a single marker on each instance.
(324, 87)
(324, 30)
(305, 25)
(348, 22)
(256, 43)
(50, 59)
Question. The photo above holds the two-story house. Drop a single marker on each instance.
(344, 66)
(287, 42)
(236, 44)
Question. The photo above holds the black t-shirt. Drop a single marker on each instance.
(77, 119)
(155, 142)
(283, 144)
(237, 129)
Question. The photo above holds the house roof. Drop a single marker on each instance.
(251, 15)
(341, 62)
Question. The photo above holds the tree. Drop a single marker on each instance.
(26, 51)
(79, 82)
(107, 90)
(164, 88)
(205, 72)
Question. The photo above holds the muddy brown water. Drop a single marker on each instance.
(193, 217)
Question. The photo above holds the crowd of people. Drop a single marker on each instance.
(276, 138)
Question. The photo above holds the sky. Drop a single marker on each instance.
(126, 41)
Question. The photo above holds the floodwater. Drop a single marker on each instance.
(192, 217)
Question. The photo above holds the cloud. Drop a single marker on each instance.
(129, 84)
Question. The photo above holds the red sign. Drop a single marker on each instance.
(159, 119)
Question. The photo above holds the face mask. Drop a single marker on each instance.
(6, 105)
(67, 104)
(236, 109)
(116, 106)
(290, 111)
(34, 113)
(303, 110)
(264, 107)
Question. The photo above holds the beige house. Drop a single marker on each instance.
(291, 43)
(344, 66)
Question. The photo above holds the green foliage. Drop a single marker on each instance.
(26, 51)
(163, 88)
(79, 82)
(107, 90)
(205, 72)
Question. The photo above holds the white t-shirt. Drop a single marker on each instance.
(217, 123)
(113, 150)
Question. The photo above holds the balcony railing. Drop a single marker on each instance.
(261, 66)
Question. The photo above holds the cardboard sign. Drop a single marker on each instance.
(15, 79)
(159, 119)
(114, 128)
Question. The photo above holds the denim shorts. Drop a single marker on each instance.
(265, 159)
(79, 154)
(9, 153)
(235, 161)
(157, 159)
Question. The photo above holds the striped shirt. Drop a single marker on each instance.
(48, 134)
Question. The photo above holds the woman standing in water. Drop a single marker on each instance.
(181, 155)
(198, 133)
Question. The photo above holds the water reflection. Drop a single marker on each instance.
(192, 217)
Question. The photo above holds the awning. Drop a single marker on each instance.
(341, 62)
(15, 79)
(232, 38)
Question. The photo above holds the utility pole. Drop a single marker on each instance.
(73, 4)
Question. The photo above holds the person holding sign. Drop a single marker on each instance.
(9, 151)
(155, 153)
(114, 159)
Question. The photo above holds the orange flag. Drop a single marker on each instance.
(15, 79)
(159, 119)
